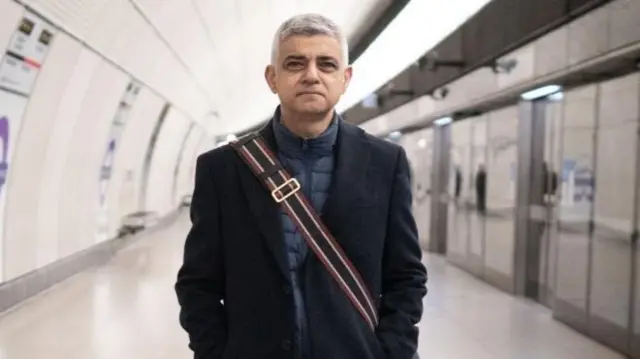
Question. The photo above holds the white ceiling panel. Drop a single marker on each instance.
(77, 16)
(226, 46)
(107, 32)
(203, 56)
(148, 57)
(185, 31)
(142, 53)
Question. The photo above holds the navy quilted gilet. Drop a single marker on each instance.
(311, 162)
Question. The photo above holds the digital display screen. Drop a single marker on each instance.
(45, 37)
(26, 26)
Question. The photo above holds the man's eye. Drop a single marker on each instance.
(294, 64)
(328, 65)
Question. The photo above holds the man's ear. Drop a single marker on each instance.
(348, 73)
(270, 76)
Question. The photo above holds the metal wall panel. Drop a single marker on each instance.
(501, 181)
(534, 211)
(419, 147)
(458, 213)
(551, 52)
(578, 147)
(479, 147)
(589, 36)
(624, 24)
(525, 184)
(613, 217)
(439, 189)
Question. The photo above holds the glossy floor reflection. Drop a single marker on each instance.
(128, 310)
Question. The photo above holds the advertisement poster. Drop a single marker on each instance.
(106, 169)
(12, 108)
(20, 64)
(578, 188)
(25, 54)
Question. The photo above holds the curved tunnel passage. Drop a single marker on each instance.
(105, 106)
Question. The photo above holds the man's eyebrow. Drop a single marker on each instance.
(295, 57)
(302, 57)
(326, 57)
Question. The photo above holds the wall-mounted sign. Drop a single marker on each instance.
(106, 169)
(577, 188)
(20, 64)
(578, 181)
(25, 53)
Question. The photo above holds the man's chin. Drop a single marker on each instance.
(312, 109)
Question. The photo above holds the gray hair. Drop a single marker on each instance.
(309, 25)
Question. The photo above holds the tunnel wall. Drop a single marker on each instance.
(88, 142)
(579, 245)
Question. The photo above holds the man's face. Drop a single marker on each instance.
(308, 75)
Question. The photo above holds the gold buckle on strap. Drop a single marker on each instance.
(291, 181)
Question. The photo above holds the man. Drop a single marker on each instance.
(250, 285)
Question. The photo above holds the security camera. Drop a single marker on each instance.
(440, 93)
(428, 61)
(504, 66)
(432, 61)
(389, 90)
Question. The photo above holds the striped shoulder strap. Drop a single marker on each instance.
(285, 190)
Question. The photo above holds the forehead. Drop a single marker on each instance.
(310, 46)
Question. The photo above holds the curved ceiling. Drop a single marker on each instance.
(206, 57)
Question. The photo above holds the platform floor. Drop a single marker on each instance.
(128, 310)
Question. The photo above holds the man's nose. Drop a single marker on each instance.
(311, 75)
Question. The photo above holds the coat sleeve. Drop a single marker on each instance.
(404, 276)
(200, 280)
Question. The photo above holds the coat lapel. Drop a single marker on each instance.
(265, 210)
(349, 176)
(348, 184)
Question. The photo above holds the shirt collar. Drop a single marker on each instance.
(291, 143)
